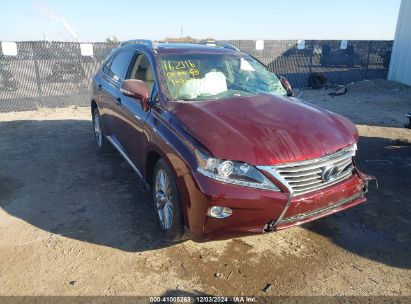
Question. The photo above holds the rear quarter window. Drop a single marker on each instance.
(106, 66)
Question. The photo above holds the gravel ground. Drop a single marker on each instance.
(76, 223)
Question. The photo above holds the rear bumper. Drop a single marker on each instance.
(257, 211)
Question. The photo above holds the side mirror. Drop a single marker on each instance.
(137, 89)
(286, 85)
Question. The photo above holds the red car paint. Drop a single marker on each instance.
(260, 130)
(265, 129)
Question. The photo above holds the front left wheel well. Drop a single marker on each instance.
(151, 161)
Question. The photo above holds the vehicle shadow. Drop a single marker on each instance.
(52, 177)
(379, 229)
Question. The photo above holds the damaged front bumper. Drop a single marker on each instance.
(300, 218)
(258, 211)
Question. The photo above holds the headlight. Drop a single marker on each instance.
(233, 172)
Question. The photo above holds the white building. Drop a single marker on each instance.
(400, 65)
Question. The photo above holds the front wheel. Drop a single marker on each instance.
(167, 202)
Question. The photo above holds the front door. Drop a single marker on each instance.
(132, 115)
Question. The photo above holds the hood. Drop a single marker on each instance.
(264, 129)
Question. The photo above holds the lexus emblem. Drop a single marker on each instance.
(329, 173)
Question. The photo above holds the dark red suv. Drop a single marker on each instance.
(225, 148)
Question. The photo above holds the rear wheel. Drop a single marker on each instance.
(102, 143)
(167, 202)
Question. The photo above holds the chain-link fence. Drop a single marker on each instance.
(357, 60)
(57, 74)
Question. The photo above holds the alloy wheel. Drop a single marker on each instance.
(164, 199)
(97, 130)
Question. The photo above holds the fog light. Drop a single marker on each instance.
(219, 212)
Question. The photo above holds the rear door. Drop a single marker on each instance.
(100, 96)
(111, 96)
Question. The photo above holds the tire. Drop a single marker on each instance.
(103, 144)
(166, 202)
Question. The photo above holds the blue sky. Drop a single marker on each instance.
(94, 20)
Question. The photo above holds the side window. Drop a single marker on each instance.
(119, 65)
(142, 70)
(106, 67)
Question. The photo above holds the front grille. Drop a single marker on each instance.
(311, 175)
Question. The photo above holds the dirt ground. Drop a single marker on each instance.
(76, 223)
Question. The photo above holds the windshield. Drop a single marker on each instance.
(216, 76)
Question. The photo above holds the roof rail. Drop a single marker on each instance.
(146, 42)
(153, 44)
(218, 43)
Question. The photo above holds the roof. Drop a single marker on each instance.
(171, 47)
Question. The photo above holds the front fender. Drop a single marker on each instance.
(165, 140)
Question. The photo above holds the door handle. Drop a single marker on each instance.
(118, 101)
